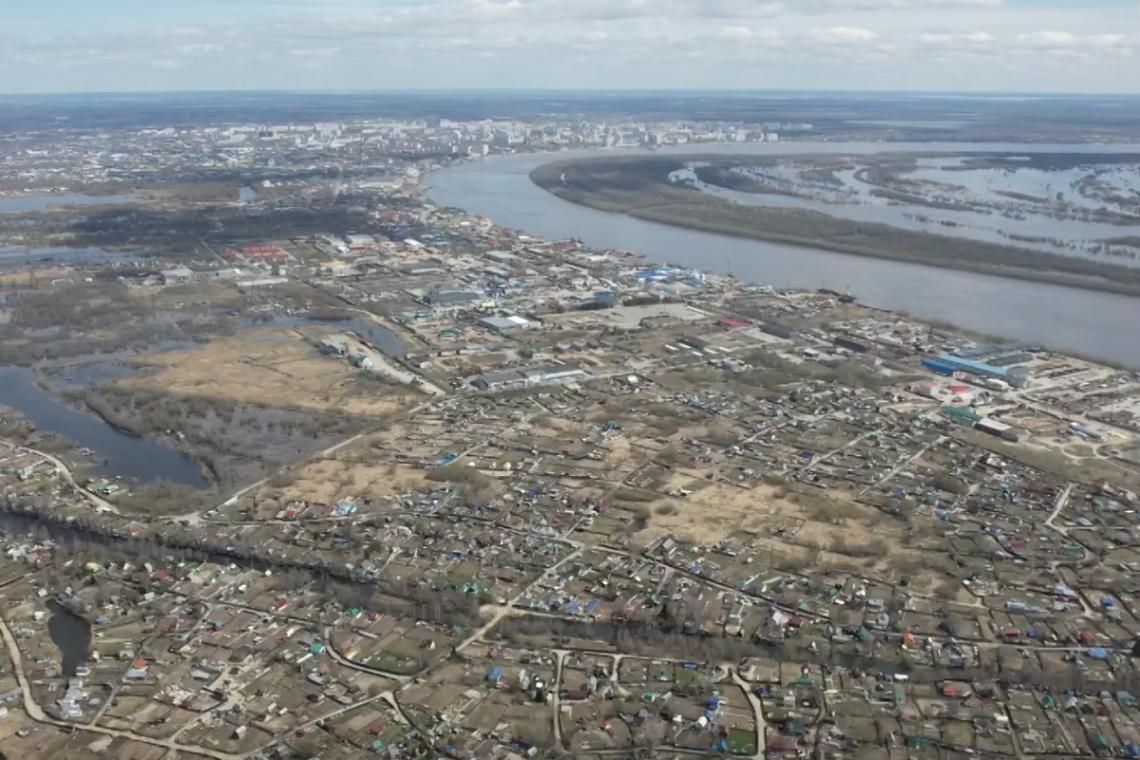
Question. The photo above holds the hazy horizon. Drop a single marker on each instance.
(907, 46)
(803, 93)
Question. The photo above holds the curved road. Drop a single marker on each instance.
(36, 713)
(99, 503)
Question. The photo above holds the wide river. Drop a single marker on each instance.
(1094, 323)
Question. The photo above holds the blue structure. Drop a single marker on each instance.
(969, 365)
(939, 367)
(1013, 377)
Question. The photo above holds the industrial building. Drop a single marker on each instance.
(732, 324)
(1016, 377)
(776, 330)
(444, 298)
(524, 376)
(1001, 430)
(851, 344)
(963, 417)
(504, 257)
(184, 275)
(511, 323)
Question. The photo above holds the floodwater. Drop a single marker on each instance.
(911, 124)
(1022, 223)
(21, 258)
(125, 455)
(94, 373)
(1075, 235)
(247, 194)
(18, 204)
(384, 339)
(1099, 324)
(72, 635)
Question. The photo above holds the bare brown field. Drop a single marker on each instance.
(271, 367)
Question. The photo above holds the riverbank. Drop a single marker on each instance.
(639, 187)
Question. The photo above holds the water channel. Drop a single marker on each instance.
(127, 455)
(1064, 318)
(122, 454)
(384, 339)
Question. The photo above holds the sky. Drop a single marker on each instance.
(1069, 46)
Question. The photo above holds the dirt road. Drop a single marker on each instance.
(36, 713)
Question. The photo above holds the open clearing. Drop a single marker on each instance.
(269, 367)
(837, 531)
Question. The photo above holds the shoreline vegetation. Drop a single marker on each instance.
(639, 186)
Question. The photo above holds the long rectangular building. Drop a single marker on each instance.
(1016, 377)
(536, 375)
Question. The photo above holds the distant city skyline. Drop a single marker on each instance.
(1062, 46)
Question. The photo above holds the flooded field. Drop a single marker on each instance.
(1090, 210)
(23, 258)
(122, 454)
(102, 402)
(21, 203)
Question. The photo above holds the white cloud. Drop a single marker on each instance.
(1048, 39)
(201, 47)
(957, 38)
(736, 33)
(314, 52)
(938, 44)
(874, 5)
(843, 35)
(1059, 42)
(491, 9)
(1113, 40)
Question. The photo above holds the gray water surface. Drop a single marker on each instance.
(1095, 323)
(72, 635)
(18, 204)
(22, 258)
(126, 455)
